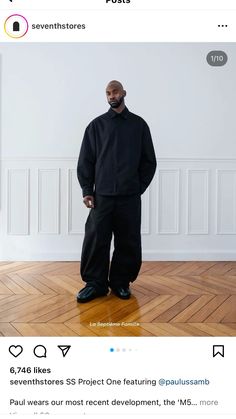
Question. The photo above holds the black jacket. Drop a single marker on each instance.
(116, 156)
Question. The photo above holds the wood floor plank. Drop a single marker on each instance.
(148, 309)
(14, 313)
(58, 315)
(4, 288)
(160, 308)
(173, 311)
(222, 311)
(230, 317)
(62, 281)
(60, 329)
(35, 280)
(113, 331)
(221, 281)
(157, 284)
(167, 267)
(138, 330)
(11, 285)
(154, 329)
(15, 301)
(232, 272)
(190, 310)
(148, 266)
(13, 266)
(201, 268)
(80, 329)
(172, 329)
(191, 329)
(183, 268)
(170, 298)
(27, 329)
(200, 284)
(176, 285)
(221, 268)
(121, 308)
(26, 286)
(209, 307)
(104, 310)
(58, 288)
(43, 307)
(213, 329)
(7, 329)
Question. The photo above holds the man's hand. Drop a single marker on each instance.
(89, 201)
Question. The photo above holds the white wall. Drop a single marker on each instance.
(50, 92)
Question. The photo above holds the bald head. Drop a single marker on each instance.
(115, 83)
(115, 95)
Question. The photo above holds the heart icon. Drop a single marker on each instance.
(15, 350)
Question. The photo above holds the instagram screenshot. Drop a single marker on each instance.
(117, 208)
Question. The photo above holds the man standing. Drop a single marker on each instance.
(116, 165)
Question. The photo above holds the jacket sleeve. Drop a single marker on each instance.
(147, 166)
(86, 161)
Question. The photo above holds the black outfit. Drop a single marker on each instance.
(116, 164)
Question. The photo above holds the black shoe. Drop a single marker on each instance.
(89, 293)
(122, 292)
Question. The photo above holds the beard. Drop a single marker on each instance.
(116, 103)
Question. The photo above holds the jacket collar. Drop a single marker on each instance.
(114, 114)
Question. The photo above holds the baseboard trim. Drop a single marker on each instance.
(147, 256)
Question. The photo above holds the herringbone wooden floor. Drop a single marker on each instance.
(168, 299)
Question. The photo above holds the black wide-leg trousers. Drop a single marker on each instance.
(121, 216)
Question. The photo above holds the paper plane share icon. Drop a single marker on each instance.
(64, 349)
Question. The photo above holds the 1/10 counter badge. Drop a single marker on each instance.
(217, 58)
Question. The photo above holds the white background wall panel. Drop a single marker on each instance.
(189, 211)
(198, 201)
